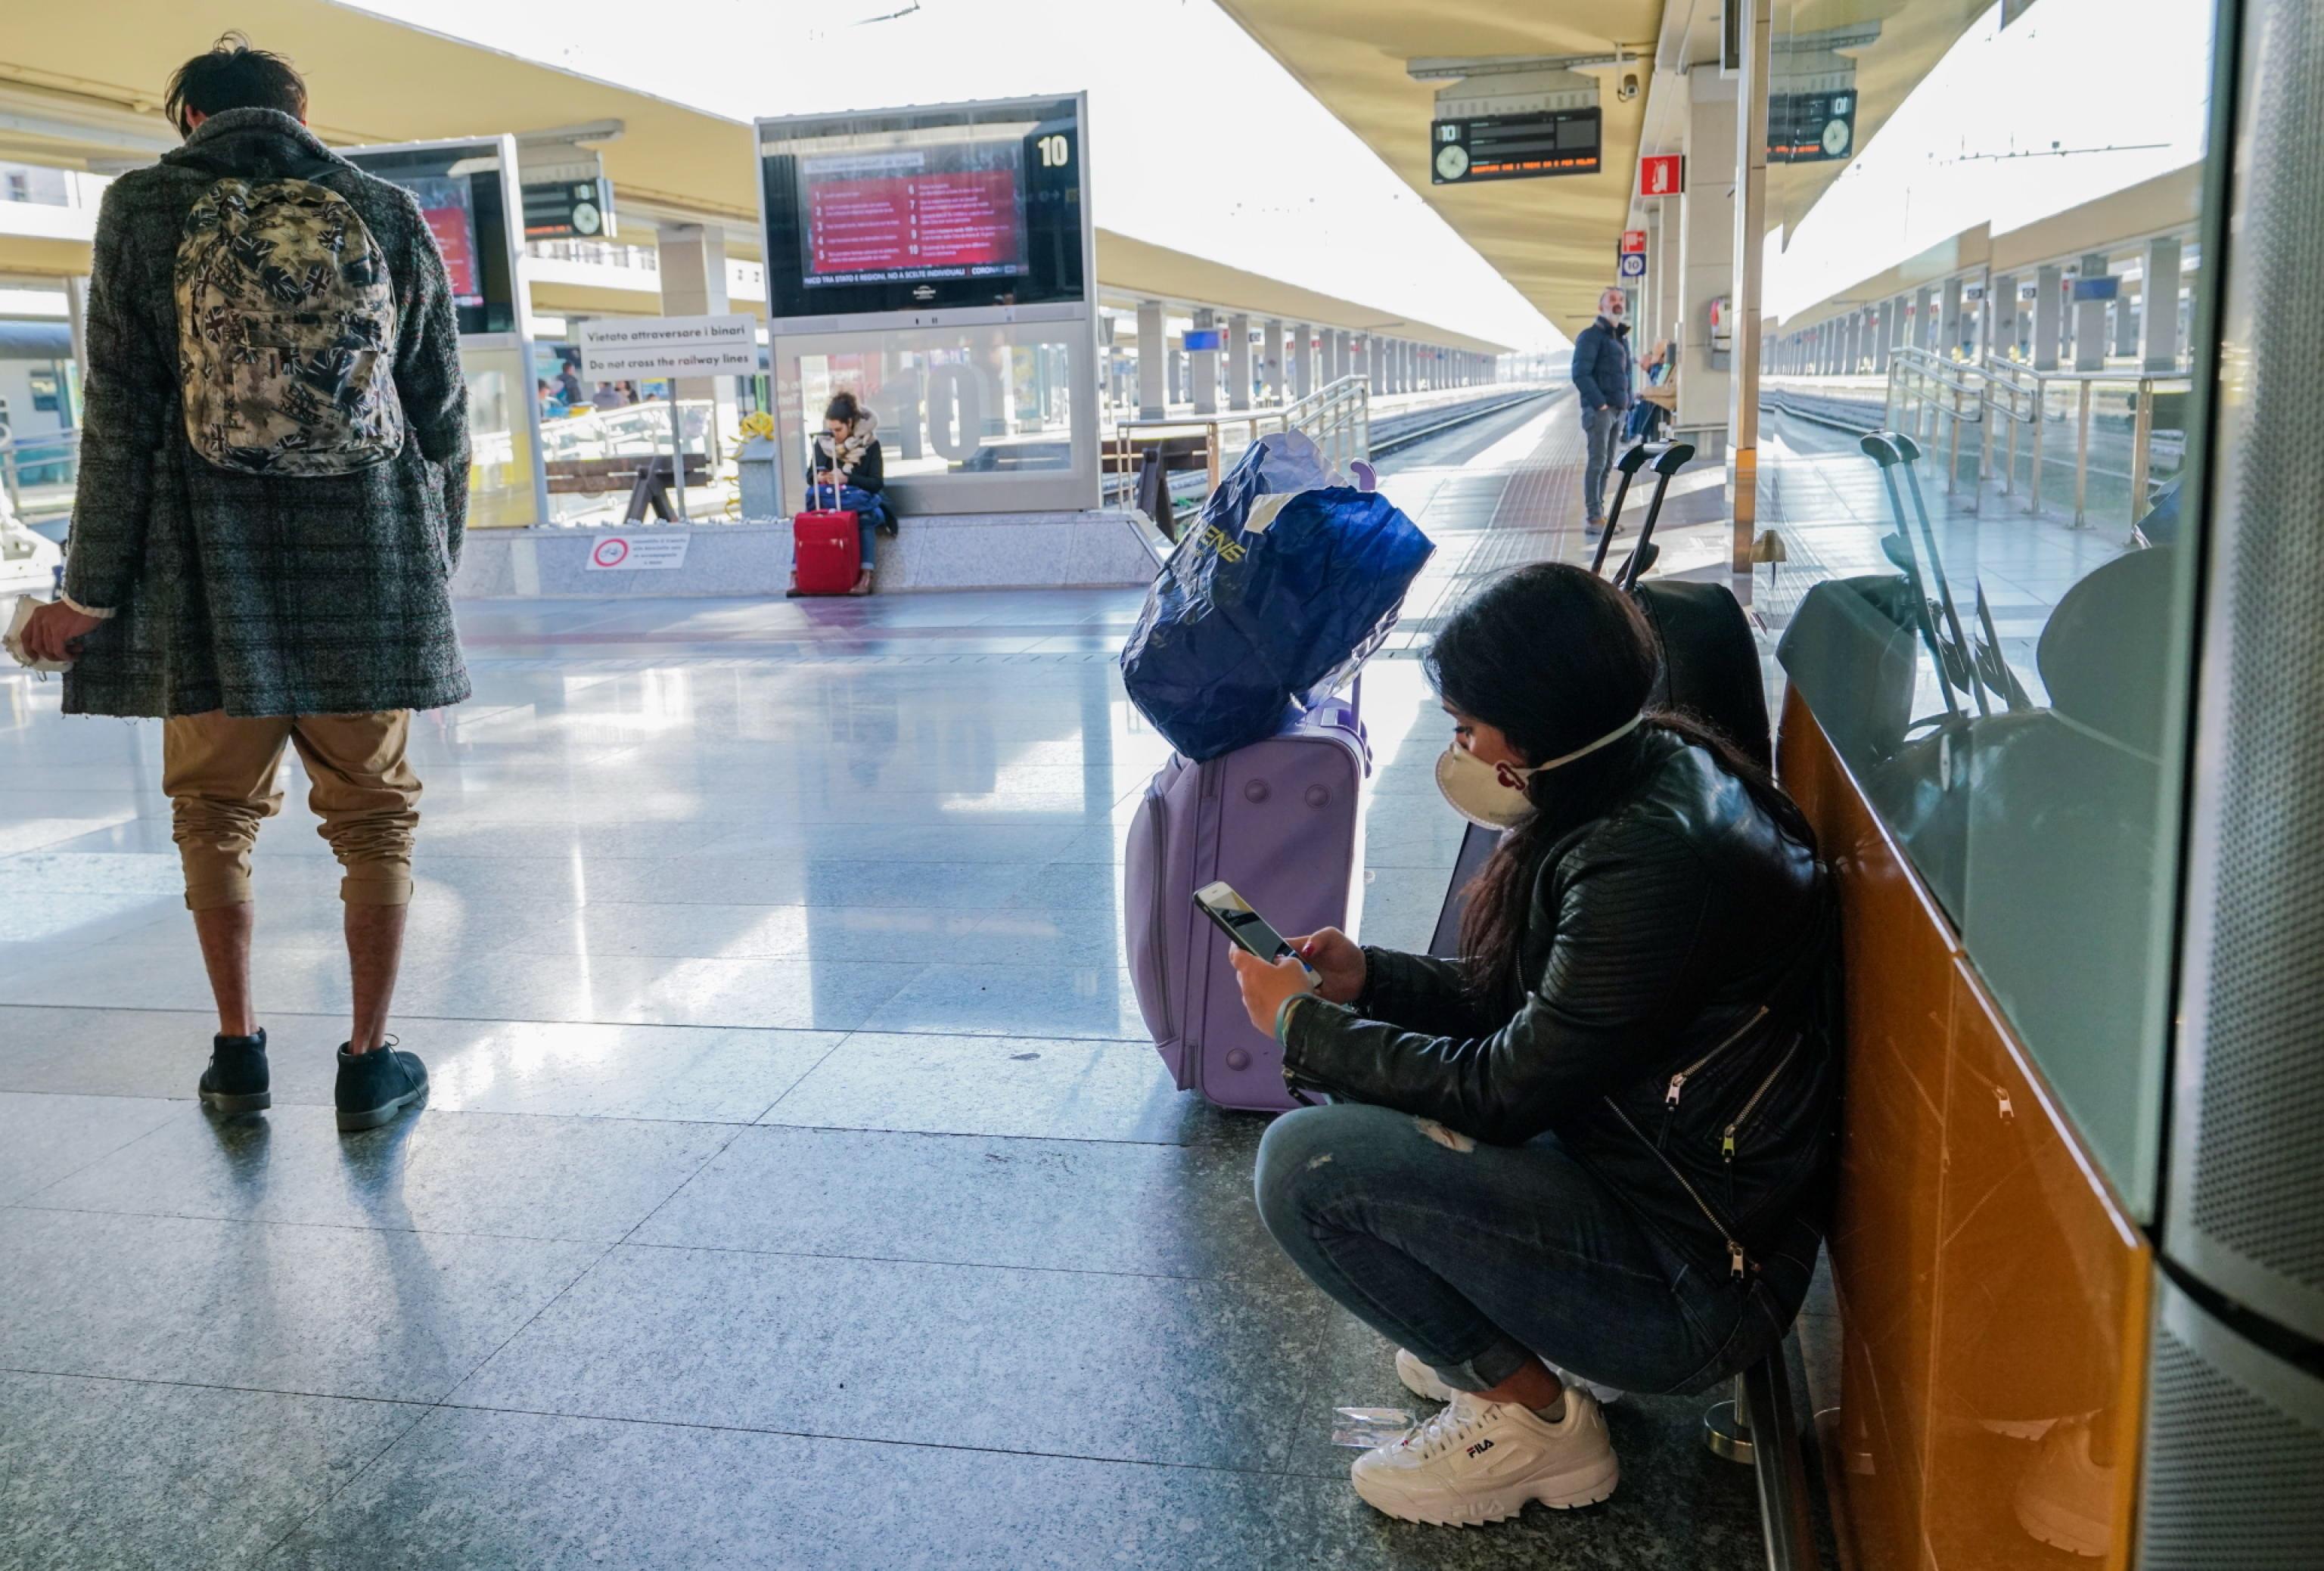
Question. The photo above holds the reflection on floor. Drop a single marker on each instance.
(797, 1189)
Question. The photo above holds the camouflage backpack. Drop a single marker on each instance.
(286, 332)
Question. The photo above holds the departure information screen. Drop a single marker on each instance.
(458, 188)
(452, 219)
(919, 212)
(916, 210)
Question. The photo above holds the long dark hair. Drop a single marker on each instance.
(1555, 657)
(842, 407)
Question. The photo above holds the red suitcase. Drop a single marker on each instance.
(827, 553)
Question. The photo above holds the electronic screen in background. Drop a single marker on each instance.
(921, 209)
(954, 211)
(459, 192)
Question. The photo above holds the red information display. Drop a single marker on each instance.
(938, 213)
(444, 202)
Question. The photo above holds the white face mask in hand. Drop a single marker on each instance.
(14, 639)
(1492, 795)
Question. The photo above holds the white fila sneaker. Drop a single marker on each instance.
(1421, 1380)
(1477, 1463)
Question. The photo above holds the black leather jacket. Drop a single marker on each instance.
(1669, 1021)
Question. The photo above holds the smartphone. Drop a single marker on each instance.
(1247, 928)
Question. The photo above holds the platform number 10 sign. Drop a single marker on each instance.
(1055, 151)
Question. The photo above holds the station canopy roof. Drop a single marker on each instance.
(1555, 238)
(81, 86)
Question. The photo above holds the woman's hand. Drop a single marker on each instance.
(1338, 959)
(1265, 986)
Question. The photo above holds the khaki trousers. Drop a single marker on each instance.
(219, 771)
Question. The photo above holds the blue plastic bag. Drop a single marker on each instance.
(1283, 586)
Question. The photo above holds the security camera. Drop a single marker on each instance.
(1629, 88)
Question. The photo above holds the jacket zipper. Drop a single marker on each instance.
(1727, 1140)
(1678, 1080)
(1735, 1258)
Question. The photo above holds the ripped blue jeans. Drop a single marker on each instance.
(1479, 1257)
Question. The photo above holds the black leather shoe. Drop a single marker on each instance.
(235, 1081)
(374, 1087)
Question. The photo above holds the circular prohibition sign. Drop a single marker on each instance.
(610, 553)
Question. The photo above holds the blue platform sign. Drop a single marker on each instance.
(1634, 265)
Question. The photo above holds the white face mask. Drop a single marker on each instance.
(1492, 795)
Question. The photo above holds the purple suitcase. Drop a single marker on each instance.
(1281, 820)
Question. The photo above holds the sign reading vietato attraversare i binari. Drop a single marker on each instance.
(622, 349)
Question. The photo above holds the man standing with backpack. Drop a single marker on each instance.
(273, 485)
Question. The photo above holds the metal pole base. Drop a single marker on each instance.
(1726, 1432)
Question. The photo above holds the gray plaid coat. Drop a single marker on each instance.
(251, 594)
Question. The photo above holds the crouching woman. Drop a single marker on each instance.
(1594, 1153)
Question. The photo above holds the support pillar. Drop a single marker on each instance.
(1270, 359)
(2049, 315)
(1237, 361)
(2089, 320)
(1204, 364)
(1706, 224)
(2126, 323)
(2158, 326)
(1755, 23)
(693, 273)
(1303, 359)
(1949, 320)
(1153, 362)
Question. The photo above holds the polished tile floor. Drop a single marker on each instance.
(797, 1189)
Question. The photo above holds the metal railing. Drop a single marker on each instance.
(39, 473)
(1336, 417)
(1925, 387)
(2009, 399)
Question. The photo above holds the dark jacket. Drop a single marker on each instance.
(251, 594)
(1602, 367)
(1668, 1022)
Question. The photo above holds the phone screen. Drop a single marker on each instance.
(1239, 922)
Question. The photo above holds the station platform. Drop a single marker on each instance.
(798, 1186)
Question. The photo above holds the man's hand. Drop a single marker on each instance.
(1265, 986)
(1337, 959)
(54, 627)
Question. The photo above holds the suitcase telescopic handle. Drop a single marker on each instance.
(1628, 463)
(1672, 459)
(1880, 447)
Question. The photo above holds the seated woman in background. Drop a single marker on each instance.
(1603, 1137)
(847, 459)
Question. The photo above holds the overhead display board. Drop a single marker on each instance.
(938, 262)
(1810, 127)
(1513, 147)
(953, 207)
(463, 190)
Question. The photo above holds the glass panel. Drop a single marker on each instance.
(1975, 406)
(638, 430)
(956, 406)
(501, 459)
